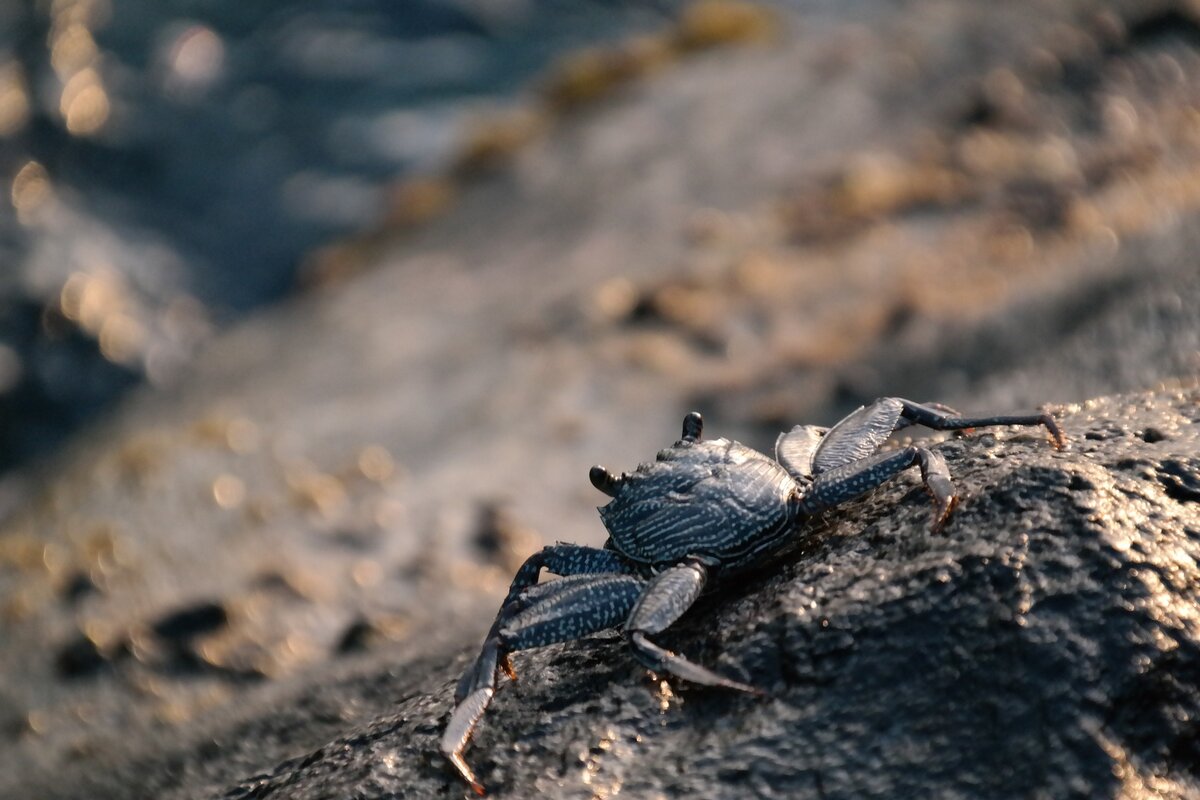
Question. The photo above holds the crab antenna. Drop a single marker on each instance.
(693, 424)
(603, 480)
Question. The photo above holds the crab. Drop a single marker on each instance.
(702, 512)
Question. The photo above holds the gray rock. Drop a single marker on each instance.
(1047, 645)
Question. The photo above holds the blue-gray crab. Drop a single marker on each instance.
(700, 513)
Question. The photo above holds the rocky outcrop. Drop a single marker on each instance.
(1045, 645)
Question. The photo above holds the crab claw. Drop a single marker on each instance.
(458, 732)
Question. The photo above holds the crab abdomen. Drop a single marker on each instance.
(716, 498)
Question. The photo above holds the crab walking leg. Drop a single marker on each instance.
(566, 559)
(482, 672)
(671, 593)
(858, 435)
(936, 417)
(862, 432)
(842, 484)
(559, 611)
(941, 408)
(561, 559)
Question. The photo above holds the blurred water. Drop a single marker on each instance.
(167, 163)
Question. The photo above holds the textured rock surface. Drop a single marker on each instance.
(1046, 646)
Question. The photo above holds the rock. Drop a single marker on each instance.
(365, 634)
(358, 636)
(187, 623)
(12, 718)
(1047, 644)
(77, 586)
(79, 657)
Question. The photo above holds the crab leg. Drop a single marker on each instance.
(941, 418)
(561, 559)
(862, 432)
(671, 593)
(940, 408)
(559, 611)
(848, 481)
(566, 559)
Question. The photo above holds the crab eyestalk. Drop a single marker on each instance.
(604, 480)
(693, 425)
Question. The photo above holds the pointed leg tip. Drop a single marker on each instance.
(1057, 439)
(460, 764)
(738, 686)
(718, 681)
(1056, 435)
(943, 517)
(458, 732)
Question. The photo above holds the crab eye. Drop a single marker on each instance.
(603, 480)
(693, 424)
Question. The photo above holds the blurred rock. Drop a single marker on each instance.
(187, 623)
(365, 634)
(79, 657)
(193, 156)
(77, 587)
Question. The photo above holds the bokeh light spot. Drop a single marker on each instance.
(84, 104)
(30, 190)
(14, 100)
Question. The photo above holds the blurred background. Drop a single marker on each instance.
(313, 315)
(170, 164)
